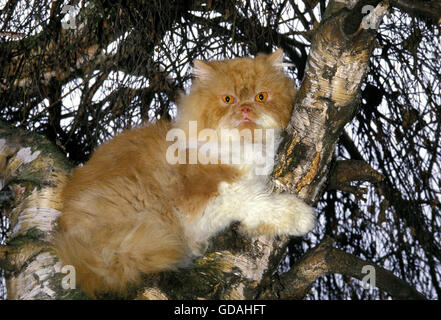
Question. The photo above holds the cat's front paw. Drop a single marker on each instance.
(281, 214)
(298, 218)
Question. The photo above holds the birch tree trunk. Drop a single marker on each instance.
(31, 172)
(235, 267)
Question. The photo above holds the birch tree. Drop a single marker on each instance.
(79, 58)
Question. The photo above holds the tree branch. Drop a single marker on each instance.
(429, 9)
(409, 211)
(344, 172)
(325, 259)
(326, 101)
(35, 170)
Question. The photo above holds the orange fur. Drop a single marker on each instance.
(125, 210)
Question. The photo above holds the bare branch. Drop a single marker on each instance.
(430, 9)
(346, 171)
(325, 259)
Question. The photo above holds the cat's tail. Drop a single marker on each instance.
(110, 258)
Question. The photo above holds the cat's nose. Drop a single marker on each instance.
(245, 109)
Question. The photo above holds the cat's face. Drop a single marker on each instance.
(240, 93)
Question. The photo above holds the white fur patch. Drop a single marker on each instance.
(251, 201)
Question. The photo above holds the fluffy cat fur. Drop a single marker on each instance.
(129, 212)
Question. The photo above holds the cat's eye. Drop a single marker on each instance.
(228, 99)
(261, 96)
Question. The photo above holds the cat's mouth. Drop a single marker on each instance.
(242, 121)
(245, 121)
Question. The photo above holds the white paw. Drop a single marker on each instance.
(297, 218)
(279, 214)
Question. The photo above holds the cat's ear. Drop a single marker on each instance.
(276, 60)
(202, 70)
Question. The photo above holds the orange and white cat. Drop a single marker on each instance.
(131, 211)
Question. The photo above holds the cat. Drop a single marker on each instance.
(133, 210)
